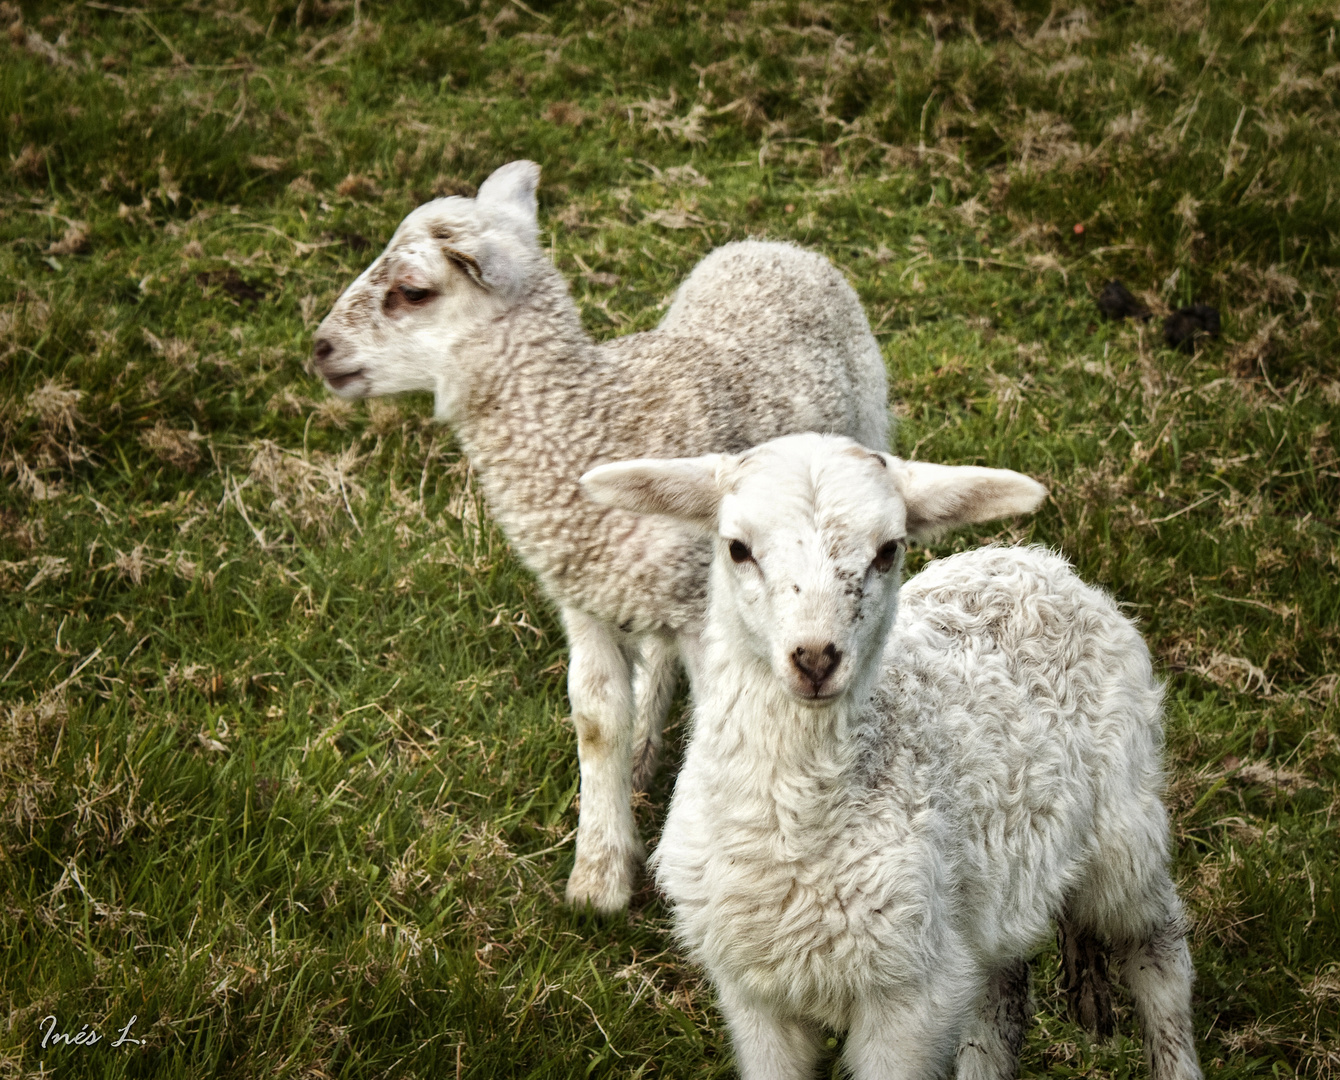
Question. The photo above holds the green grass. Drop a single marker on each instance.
(285, 769)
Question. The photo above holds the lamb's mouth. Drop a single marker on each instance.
(814, 698)
(343, 379)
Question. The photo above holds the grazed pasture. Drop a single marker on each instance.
(285, 770)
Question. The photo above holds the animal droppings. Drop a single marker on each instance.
(1185, 326)
(1116, 302)
(231, 282)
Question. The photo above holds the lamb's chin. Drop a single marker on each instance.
(350, 384)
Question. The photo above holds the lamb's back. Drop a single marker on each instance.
(795, 329)
(1041, 698)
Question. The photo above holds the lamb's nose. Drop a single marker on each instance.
(322, 349)
(816, 662)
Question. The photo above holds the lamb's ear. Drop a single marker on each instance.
(684, 488)
(511, 189)
(488, 252)
(940, 497)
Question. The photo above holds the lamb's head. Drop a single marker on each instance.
(810, 532)
(452, 265)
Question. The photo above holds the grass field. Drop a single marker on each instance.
(285, 768)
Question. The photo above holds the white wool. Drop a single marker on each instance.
(877, 842)
(762, 339)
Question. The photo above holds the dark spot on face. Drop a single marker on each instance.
(844, 574)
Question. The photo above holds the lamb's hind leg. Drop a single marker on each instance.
(655, 677)
(601, 691)
(1156, 968)
(1130, 900)
(1084, 977)
(994, 1036)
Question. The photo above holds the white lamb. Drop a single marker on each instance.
(889, 794)
(761, 340)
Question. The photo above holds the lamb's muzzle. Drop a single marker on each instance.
(816, 662)
(343, 379)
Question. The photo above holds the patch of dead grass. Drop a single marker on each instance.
(174, 446)
(312, 489)
(56, 405)
(28, 741)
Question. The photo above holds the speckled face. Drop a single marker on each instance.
(810, 532)
(452, 265)
(810, 542)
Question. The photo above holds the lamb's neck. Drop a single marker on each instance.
(531, 375)
(534, 338)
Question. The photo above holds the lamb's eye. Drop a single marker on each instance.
(413, 295)
(887, 555)
(739, 552)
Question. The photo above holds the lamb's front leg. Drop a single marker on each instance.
(911, 1037)
(768, 1046)
(600, 688)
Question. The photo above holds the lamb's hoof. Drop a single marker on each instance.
(603, 882)
(646, 757)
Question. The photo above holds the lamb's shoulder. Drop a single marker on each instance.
(535, 428)
(637, 573)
